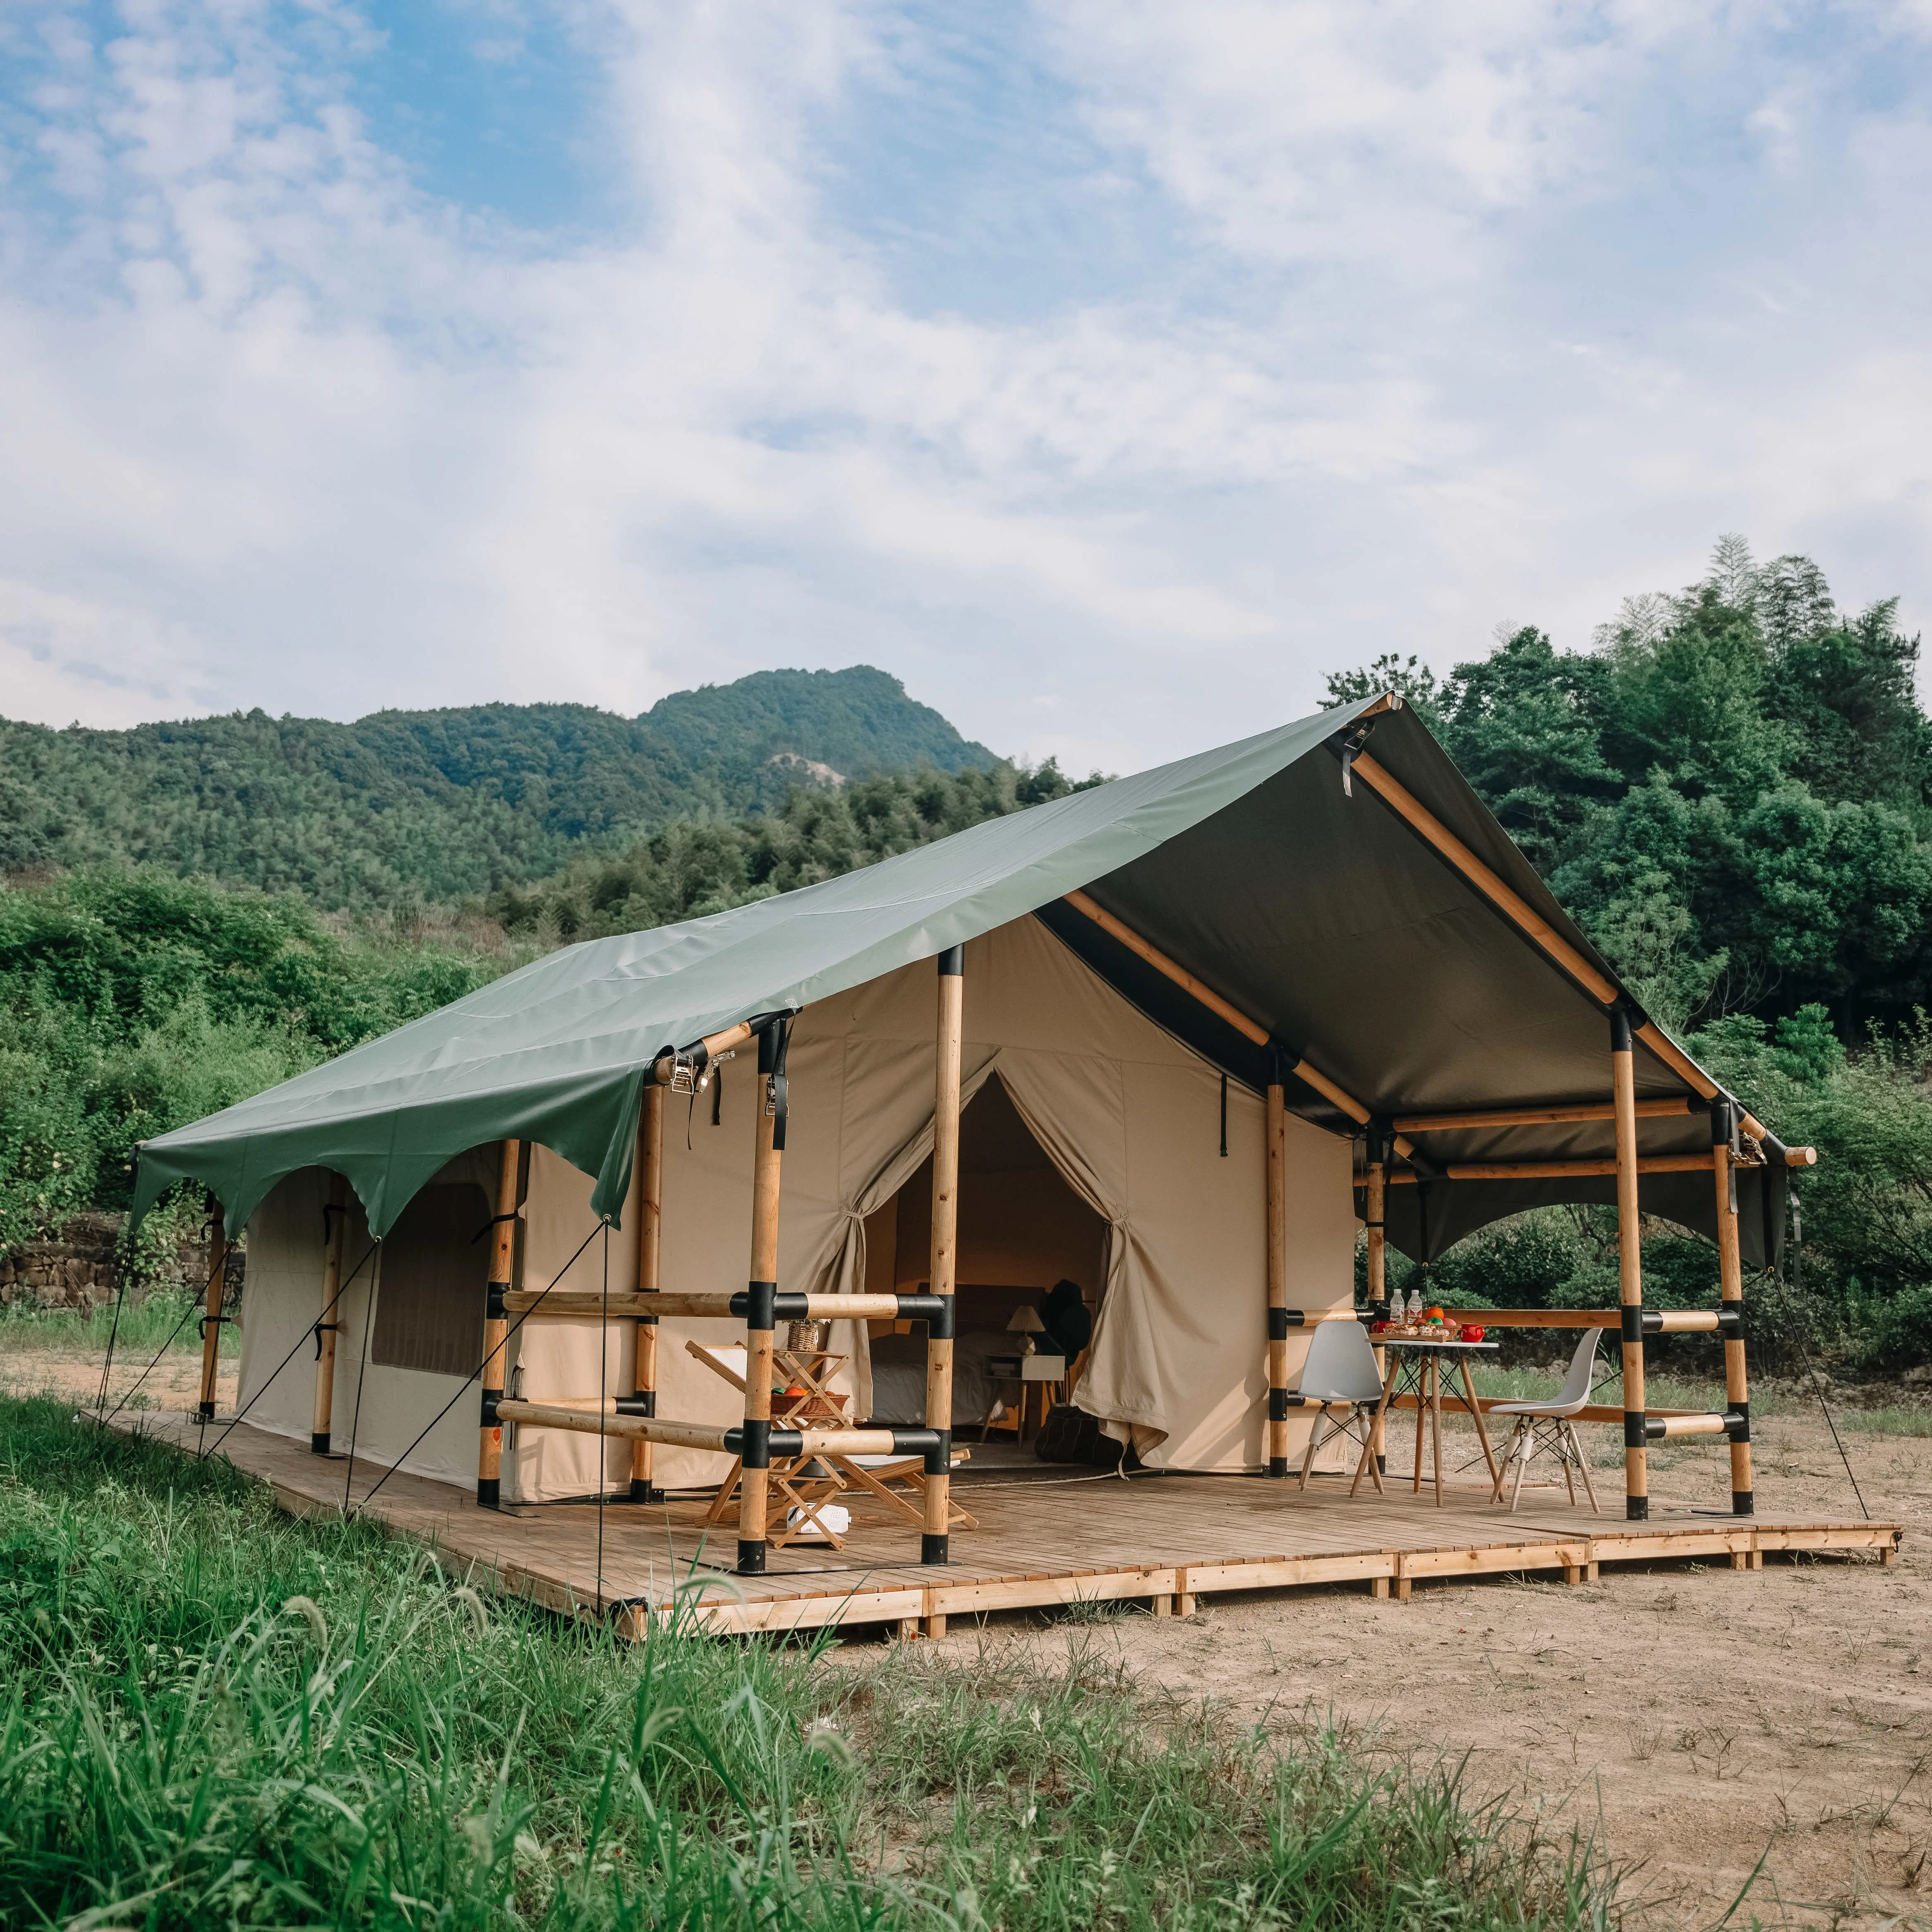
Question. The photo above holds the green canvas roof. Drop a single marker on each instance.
(1321, 915)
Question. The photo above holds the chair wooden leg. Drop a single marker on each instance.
(1528, 1450)
(1589, 1487)
(1569, 1475)
(1509, 1457)
(1368, 1462)
(1314, 1443)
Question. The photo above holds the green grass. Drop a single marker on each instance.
(145, 1323)
(211, 1714)
(1894, 1419)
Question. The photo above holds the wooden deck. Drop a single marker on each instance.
(1047, 1536)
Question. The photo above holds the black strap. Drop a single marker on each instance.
(495, 1220)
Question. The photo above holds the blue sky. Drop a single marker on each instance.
(1109, 371)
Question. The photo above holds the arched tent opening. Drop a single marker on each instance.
(1022, 1229)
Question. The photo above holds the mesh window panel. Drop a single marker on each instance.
(429, 1303)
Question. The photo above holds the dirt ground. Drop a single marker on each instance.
(174, 1382)
(1693, 1721)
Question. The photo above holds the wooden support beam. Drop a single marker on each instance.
(1592, 1412)
(1630, 1262)
(1673, 1427)
(1731, 1288)
(1562, 1170)
(709, 1048)
(211, 1327)
(1536, 1116)
(650, 1230)
(1249, 1029)
(576, 1305)
(334, 1218)
(1669, 1321)
(755, 1477)
(934, 1542)
(1534, 927)
(495, 1323)
(1518, 910)
(591, 1415)
(1276, 1428)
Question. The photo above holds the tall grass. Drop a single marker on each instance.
(211, 1715)
(145, 1323)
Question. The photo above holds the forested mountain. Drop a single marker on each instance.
(1730, 790)
(403, 806)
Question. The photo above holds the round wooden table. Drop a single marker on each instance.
(1417, 1370)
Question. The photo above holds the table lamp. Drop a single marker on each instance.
(1026, 1322)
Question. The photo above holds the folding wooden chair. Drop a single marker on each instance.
(884, 1475)
(797, 1487)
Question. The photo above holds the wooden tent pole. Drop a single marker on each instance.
(1375, 1209)
(1277, 1280)
(1629, 1266)
(210, 1326)
(650, 1225)
(753, 1478)
(334, 1218)
(1731, 1289)
(495, 1323)
(933, 1544)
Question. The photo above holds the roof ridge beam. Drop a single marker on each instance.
(1249, 1029)
(1534, 927)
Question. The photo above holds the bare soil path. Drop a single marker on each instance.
(1693, 1719)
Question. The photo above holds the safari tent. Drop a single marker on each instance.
(1178, 1038)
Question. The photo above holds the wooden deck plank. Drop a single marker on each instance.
(1042, 1542)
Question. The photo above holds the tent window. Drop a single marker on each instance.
(429, 1303)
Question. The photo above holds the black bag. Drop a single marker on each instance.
(1070, 1435)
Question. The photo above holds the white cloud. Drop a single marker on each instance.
(1425, 343)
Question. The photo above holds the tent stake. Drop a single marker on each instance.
(334, 1218)
(1630, 1265)
(1731, 1289)
(650, 1223)
(496, 1324)
(933, 1546)
(760, 1319)
(1277, 1278)
(211, 1325)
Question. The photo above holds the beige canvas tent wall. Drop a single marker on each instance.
(1128, 1117)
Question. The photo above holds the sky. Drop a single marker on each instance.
(1109, 371)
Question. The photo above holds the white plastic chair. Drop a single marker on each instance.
(1340, 1373)
(1548, 1426)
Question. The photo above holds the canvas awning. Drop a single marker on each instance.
(1313, 907)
